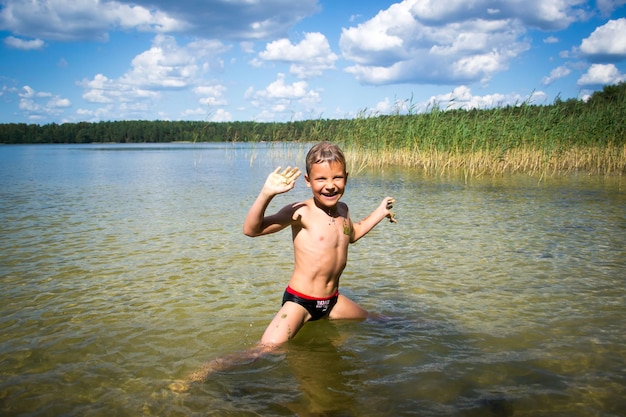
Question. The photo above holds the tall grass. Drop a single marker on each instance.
(562, 138)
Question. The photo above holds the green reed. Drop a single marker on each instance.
(567, 136)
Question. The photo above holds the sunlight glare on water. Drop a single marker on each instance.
(124, 267)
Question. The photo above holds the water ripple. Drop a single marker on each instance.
(122, 271)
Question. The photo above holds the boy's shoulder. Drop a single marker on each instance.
(304, 205)
(298, 206)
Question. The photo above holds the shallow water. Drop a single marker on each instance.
(123, 267)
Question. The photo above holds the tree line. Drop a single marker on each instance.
(611, 102)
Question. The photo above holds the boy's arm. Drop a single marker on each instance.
(256, 223)
(361, 228)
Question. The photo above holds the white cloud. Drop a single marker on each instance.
(309, 58)
(17, 43)
(462, 98)
(551, 39)
(607, 43)
(210, 90)
(397, 107)
(237, 20)
(166, 66)
(542, 14)
(280, 90)
(141, 18)
(104, 90)
(601, 74)
(383, 107)
(211, 95)
(58, 102)
(39, 104)
(381, 39)
(557, 73)
(70, 20)
(396, 46)
(198, 111)
(27, 93)
(97, 89)
(280, 97)
(221, 115)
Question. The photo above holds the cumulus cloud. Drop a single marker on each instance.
(71, 20)
(607, 43)
(462, 98)
(555, 74)
(219, 115)
(40, 104)
(68, 20)
(17, 43)
(433, 42)
(279, 96)
(601, 74)
(103, 90)
(541, 14)
(165, 66)
(309, 58)
(211, 95)
(235, 20)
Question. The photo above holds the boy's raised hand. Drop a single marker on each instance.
(281, 182)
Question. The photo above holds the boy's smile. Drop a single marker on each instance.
(328, 182)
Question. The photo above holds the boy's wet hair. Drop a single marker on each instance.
(324, 152)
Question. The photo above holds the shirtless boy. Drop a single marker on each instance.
(321, 230)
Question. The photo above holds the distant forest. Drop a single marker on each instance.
(138, 131)
(610, 103)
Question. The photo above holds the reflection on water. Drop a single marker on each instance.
(124, 267)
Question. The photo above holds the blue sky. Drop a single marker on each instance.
(281, 60)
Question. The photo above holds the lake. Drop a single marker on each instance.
(124, 267)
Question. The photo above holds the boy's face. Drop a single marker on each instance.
(328, 182)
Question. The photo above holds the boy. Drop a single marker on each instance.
(321, 230)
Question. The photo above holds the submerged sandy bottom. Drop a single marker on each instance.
(123, 269)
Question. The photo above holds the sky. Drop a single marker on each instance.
(282, 60)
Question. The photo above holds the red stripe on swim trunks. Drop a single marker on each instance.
(308, 297)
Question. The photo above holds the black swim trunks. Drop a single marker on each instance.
(317, 307)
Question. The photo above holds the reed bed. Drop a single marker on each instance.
(557, 139)
(593, 161)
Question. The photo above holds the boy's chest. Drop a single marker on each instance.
(332, 234)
